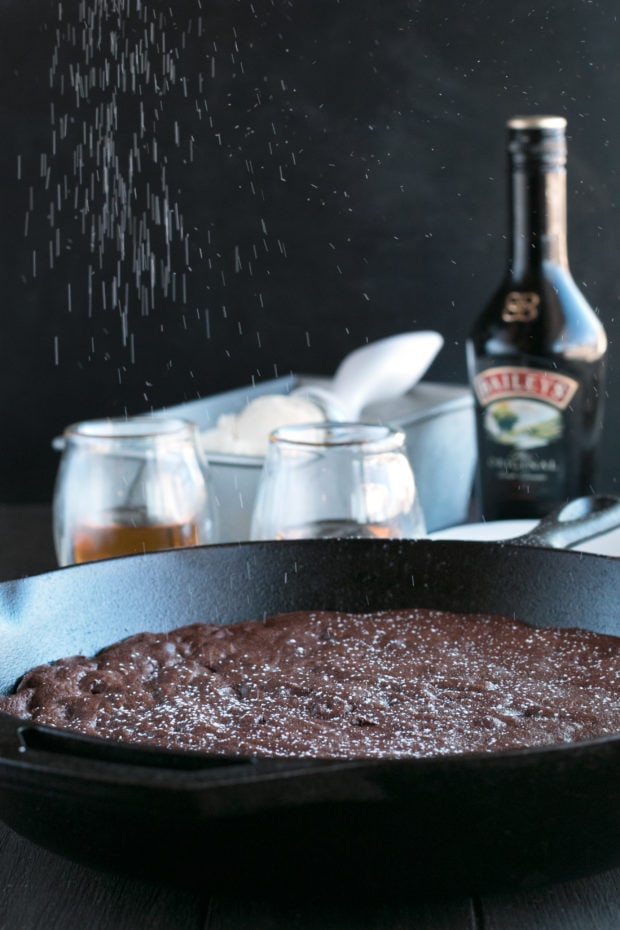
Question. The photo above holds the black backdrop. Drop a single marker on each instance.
(198, 194)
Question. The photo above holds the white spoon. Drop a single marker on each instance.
(375, 372)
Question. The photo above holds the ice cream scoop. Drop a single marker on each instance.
(247, 432)
(375, 372)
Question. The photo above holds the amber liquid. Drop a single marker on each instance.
(91, 542)
(341, 529)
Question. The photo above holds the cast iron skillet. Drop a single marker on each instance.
(462, 822)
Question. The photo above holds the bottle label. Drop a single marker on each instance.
(509, 383)
(523, 421)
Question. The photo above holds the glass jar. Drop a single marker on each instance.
(130, 485)
(337, 479)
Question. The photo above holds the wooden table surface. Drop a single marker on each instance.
(42, 891)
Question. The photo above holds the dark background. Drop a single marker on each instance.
(333, 173)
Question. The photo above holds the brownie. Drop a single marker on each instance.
(333, 685)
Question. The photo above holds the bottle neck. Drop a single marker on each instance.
(538, 219)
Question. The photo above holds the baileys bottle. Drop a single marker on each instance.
(536, 354)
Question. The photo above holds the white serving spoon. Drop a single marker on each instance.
(375, 372)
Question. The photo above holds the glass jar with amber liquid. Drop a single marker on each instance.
(536, 355)
(127, 486)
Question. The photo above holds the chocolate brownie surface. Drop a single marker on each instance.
(333, 685)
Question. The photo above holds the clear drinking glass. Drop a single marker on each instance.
(130, 485)
(337, 479)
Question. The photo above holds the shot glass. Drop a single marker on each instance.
(337, 479)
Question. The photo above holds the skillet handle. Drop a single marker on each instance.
(573, 523)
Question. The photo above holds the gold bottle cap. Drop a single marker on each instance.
(537, 122)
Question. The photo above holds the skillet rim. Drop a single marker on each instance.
(12, 727)
(28, 758)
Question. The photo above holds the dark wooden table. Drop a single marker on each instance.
(43, 891)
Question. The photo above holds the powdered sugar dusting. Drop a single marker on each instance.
(332, 685)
